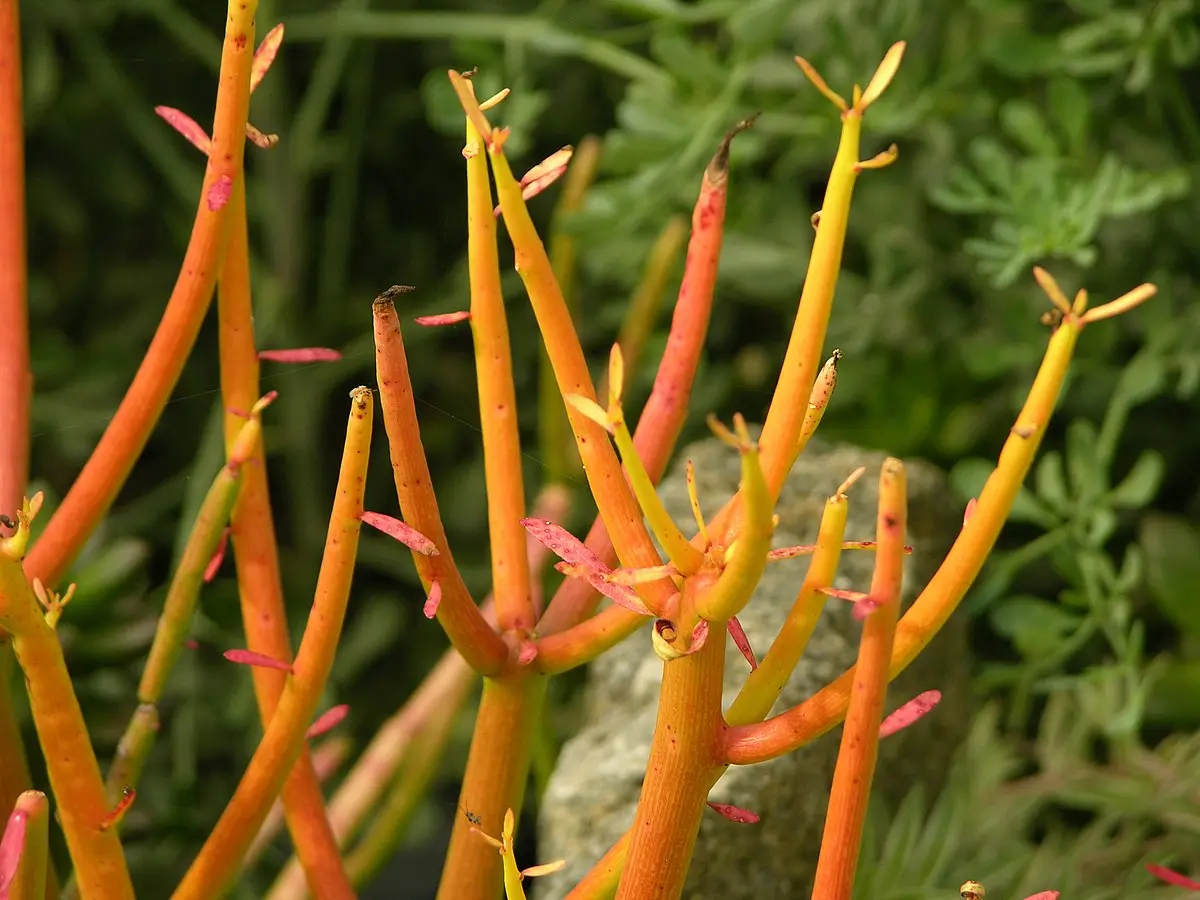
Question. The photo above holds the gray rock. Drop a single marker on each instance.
(593, 793)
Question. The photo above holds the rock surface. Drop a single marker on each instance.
(594, 791)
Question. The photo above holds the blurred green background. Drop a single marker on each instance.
(1051, 132)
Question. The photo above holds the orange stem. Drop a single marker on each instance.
(679, 771)
(93, 492)
(855, 768)
(666, 410)
(802, 724)
(256, 556)
(497, 403)
(461, 619)
(16, 377)
(215, 868)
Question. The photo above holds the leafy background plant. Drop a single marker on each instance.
(1058, 133)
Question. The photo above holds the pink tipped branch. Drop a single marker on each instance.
(70, 759)
(855, 768)
(505, 485)
(466, 627)
(929, 612)
(256, 556)
(666, 410)
(24, 849)
(105, 472)
(215, 868)
(909, 713)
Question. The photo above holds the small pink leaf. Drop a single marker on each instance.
(219, 193)
(433, 600)
(452, 318)
(528, 652)
(300, 355)
(910, 712)
(187, 126)
(544, 869)
(1043, 895)
(743, 643)
(265, 55)
(582, 563)
(328, 720)
(967, 513)
(555, 162)
(842, 594)
(699, 636)
(1170, 876)
(535, 187)
(250, 658)
(259, 139)
(405, 534)
(11, 848)
(117, 813)
(865, 607)
(218, 557)
(790, 552)
(735, 813)
(191, 643)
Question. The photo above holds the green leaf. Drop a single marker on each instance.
(1051, 483)
(1171, 546)
(1024, 124)
(1071, 112)
(1141, 485)
(1034, 626)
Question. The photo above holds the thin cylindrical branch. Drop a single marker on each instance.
(666, 410)
(678, 773)
(217, 864)
(929, 612)
(613, 497)
(110, 463)
(29, 824)
(764, 685)
(16, 377)
(75, 778)
(178, 612)
(466, 627)
(497, 402)
(421, 766)
(256, 559)
(855, 768)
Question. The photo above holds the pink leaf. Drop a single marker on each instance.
(699, 636)
(528, 652)
(790, 552)
(969, 511)
(259, 139)
(452, 318)
(405, 534)
(743, 643)
(11, 848)
(533, 187)
(251, 658)
(300, 355)
(433, 600)
(735, 813)
(582, 563)
(265, 55)
(117, 813)
(187, 126)
(328, 720)
(219, 192)
(191, 643)
(1170, 876)
(218, 557)
(1043, 895)
(909, 713)
(865, 607)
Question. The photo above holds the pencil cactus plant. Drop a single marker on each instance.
(686, 591)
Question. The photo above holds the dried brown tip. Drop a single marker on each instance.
(718, 166)
(388, 297)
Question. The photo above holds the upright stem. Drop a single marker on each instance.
(256, 556)
(110, 463)
(16, 378)
(494, 781)
(497, 403)
(678, 774)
